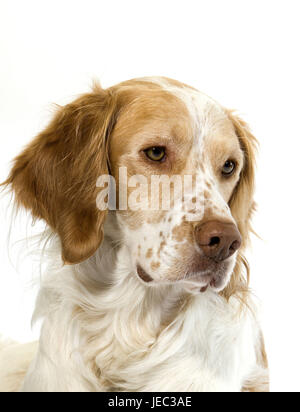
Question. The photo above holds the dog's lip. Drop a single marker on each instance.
(203, 287)
(199, 281)
(203, 282)
(143, 275)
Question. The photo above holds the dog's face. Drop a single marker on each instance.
(176, 131)
(153, 129)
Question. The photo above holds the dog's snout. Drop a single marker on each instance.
(218, 240)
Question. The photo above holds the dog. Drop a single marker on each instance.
(141, 298)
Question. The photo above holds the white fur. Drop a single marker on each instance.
(105, 330)
(14, 360)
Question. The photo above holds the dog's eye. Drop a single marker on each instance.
(228, 168)
(157, 154)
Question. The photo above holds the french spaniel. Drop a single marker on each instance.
(136, 297)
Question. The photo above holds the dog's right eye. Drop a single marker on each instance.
(228, 168)
(156, 154)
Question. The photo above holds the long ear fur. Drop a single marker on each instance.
(55, 176)
(242, 203)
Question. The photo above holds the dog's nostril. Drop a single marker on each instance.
(214, 241)
(235, 246)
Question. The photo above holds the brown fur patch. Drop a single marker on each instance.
(155, 265)
(161, 247)
(149, 253)
(178, 233)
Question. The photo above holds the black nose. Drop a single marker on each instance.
(218, 240)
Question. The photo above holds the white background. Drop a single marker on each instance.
(243, 53)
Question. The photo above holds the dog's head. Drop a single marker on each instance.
(182, 167)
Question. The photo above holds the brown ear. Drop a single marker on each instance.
(55, 177)
(242, 206)
(242, 203)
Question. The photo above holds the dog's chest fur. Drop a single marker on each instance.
(135, 338)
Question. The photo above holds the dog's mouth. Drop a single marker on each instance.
(202, 282)
(144, 275)
(194, 281)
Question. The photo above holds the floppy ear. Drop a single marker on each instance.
(242, 206)
(242, 203)
(55, 177)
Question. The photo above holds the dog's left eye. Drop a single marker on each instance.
(228, 168)
(157, 154)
